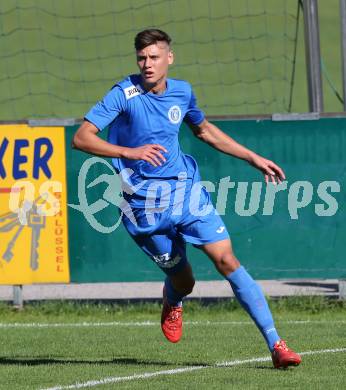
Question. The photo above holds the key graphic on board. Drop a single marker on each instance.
(6, 226)
(8, 254)
(30, 216)
(36, 222)
(8, 215)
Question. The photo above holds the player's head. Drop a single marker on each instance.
(154, 55)
(151, 37)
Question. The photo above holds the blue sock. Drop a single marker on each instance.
(251, 297)
(174, 298)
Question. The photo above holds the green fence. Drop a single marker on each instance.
(305, 242)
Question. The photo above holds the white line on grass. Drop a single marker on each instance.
(146, 375)
(149, 323)
(74, 324)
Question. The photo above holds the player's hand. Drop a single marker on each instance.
(152, 153)
(271, 171)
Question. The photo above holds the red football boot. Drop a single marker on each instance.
(283, 357)
(171, 320)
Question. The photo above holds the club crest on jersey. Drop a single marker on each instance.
(132, 91)
(174, 114)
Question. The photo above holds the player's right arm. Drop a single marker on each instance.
(86, 139)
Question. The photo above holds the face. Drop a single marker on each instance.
(153, 62)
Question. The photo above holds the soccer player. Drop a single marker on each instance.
(144, 112)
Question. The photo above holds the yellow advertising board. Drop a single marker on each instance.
(33, 205)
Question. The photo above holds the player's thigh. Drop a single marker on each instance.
(222, 255)
(219, 249)
(159, 239)
(167, 251)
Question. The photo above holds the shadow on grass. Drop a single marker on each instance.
(30, 361)
(274, 369)
(264, 368)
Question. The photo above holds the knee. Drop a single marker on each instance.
(185, 287)
(226, 263)
(188, 286)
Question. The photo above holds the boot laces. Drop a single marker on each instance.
(174, 314)
(282, 345)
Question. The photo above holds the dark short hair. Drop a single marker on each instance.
(151, 37)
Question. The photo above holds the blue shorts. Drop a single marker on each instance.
(163, 235)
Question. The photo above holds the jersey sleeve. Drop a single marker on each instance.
(106, 110)
(194, 114)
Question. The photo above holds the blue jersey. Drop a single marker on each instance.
(136, 117)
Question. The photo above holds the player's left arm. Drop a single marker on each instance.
(213, 136)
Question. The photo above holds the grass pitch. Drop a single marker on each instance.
(59, 345)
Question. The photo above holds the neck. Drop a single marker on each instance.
(157, 88)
